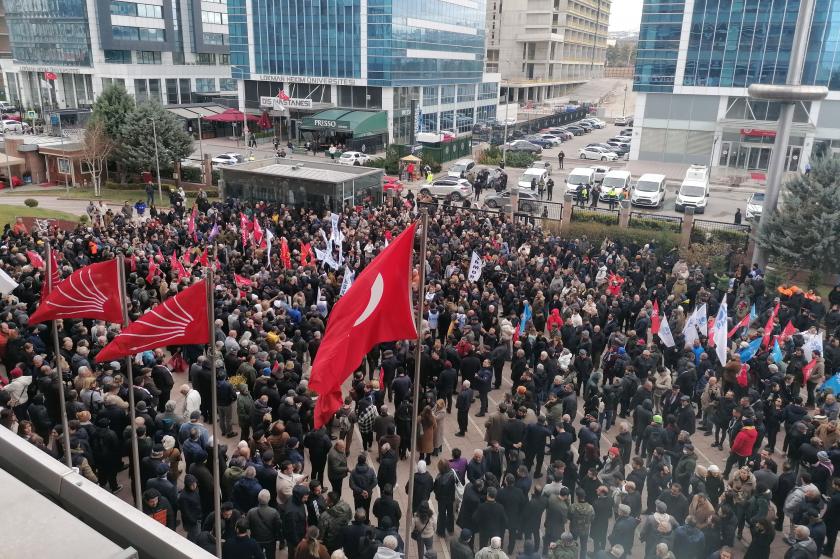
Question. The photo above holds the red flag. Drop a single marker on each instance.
(381, 378)
(133, 262)
(655, 318)
(306, 256)
(153, 271)
(179, 320)
(282, 95)
(285, 256)
(768, 328)
(742, 376)
(258, 233)
(89, 292)
(159, 255)
(53, 279)
(377, 308)
(388, 236)
(788, 331)
(191, 222)
(35, 259)
(177, 266)
(203, 260)
(711, 330)
(743, 324)
(243, 226)
(187, 259)
(242, 281)
(806, 370)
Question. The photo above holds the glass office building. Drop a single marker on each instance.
(64, 52)
(696, 59)
(400, 58)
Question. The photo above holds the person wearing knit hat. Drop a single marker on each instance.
(657, 419)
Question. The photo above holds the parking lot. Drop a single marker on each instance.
(721, 203)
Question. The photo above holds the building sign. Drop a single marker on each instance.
(50, 69)
(304, 79)
(279, 104)
(755, 133)
(326, 123)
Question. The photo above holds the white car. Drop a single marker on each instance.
(600, 172)
(354, 158)
(555, 140)
(595, 152)
(649, 191)
(596, 122)
(227, 159)
(12, 126)
(460, 169)
(694, 190)
(755, 204)
(532, 173)
(452, 188)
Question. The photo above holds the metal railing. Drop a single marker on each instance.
(707, 231)
(710, 225)
(600, 215)
(656, 221)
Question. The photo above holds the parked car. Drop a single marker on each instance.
(538, 140)
(555, 140)
(354, 158)
(451, 188)
(576, 130)
(624, 139)
(600, 172)
(626, 132)
(621, 148)
(755, 205)
(460, 168)
(579, 176)
(532, 173)
(595, 122)
(13, 126)
(694, 189)
(585, 125)
(597, 153)
(624, 120)
(603, 145)
(224, 158)
(542, 165)
(392, 183)
(649, 191)
(620, 180)
(528, 201)
(523, 145)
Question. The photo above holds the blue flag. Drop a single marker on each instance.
(526, 316)
(749, 352)
(777, 352)
(753, 314)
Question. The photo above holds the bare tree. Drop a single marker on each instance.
(96, 148)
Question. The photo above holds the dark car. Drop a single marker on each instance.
(523, 145)
(576, 130)
(542, 142)
(528, 201)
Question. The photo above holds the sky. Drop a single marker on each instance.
(625, 15)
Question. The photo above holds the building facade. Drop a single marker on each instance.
(696, 59)
(64, 52)
(421, 63)
(544, 48)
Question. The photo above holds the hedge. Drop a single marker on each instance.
(664, 241)
(588, 216)
(493, 156)
(655, 224)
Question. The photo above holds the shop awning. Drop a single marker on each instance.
(359, 123)
(196, 111)
(230, 115)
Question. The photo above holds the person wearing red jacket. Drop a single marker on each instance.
(555, 321)
(742, 446)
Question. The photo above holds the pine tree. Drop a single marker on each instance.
(112, 108)
(804, 231)
(137, 149)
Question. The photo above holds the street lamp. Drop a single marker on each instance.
(157, 161)
(624, 105)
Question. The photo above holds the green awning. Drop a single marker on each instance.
(360, 123)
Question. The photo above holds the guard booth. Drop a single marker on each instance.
(353, 128)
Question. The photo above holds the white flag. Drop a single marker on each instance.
(665, 333)
(334, 225)
(269, 236)
(7, 284)
(697, 321)
(720, 334)
(813, 341)
(347, 281)
(475, 267)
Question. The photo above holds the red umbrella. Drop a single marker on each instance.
(265, 121)
(230, 115)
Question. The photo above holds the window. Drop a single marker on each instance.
(224, 59)
(154, 90)
(186, 90)
(136, 10)
(141, 94)
(124, 33)
(215, 39)
(148, 10)
(430, 96)
(118, 56)
(447, 94)
(219, 18)
(178, 59)
(155, 35)
(466, 93)
(171, 92)
(488, 91)
(227, 84)
(63, 165)
(205, 85)
(205, 59)
(148, 57)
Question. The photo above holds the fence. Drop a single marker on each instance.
(594, 214)
(706, 231)
(656, 222)
(543, 212)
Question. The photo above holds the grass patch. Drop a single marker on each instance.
(9, 213)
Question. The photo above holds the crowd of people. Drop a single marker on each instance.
(559, 330)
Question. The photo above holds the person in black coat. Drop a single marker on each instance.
(159, 508)
(447, 381)
(319, 444)
(355, 535)
(362, 482)
(189, 505)
(532, 516)
(294, 516)
(444, 489)
(106, 454)
(514, 502)
(462, 405)
(388, 460)
(387, 506)
(624, 530)
(536, 436)
(423, 485)
(490, 519)
(603, 506)
(473, 493)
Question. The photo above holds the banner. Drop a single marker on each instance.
(475, 267)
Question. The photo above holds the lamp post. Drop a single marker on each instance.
(624, 104)
(788, 95)
(157, 161)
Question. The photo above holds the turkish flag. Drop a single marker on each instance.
(50, 76)
(655, 318)
(282, 95)
(153, 271)
(742, 376)
(806, 370)
(258, 233)
(788, 331)
(242, 281)
(53, 279)
(743, 324)
(376, 309)
(285, 256)
(203, 260)
(181, 319)
(89, 292)
(306, 257)
(710, 328)
(177, 266)
(768, 328)
(35, 259)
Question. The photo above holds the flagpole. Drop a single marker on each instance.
(129, 370)
(214, 399)
(424, 223)
(57, 349)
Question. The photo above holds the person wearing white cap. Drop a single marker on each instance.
(492, 551)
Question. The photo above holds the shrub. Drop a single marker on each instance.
(520, 159)
(589, 216)
(655, 224)
(663, 241)
(191, 174)
(31, 202)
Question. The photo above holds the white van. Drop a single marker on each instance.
(649, 191)
(694, 189)
(620, 180)
(538, 173)
(579, 176)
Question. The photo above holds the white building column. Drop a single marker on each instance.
(388, 107)
(639, 126)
